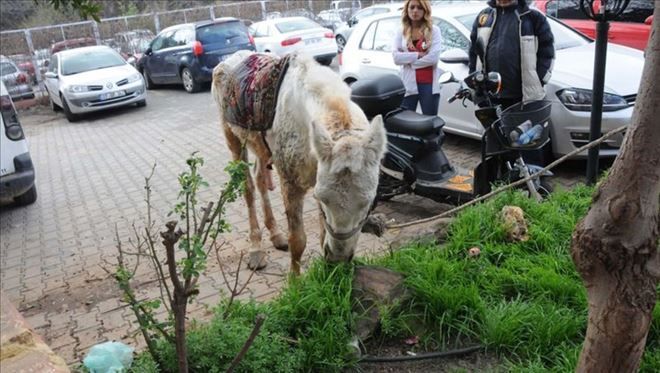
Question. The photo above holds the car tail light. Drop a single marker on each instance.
(12, 125)
(329, 35)
(340, 59)
(291, 41)
(197, 48)
(21, 78)
(14, 133)
(250, 38)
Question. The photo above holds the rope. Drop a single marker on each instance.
(514, 184)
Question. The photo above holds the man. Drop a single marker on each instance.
(510, 38)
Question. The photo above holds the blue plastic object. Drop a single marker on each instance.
(530, 135)
(109, 357)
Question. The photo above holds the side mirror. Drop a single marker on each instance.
(454, 55)
(649, 20)
(148, 51)
(447, 77)
(50, 75)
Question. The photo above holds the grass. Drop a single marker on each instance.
(524, 301)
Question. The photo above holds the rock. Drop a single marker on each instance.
(373, 288)
(515, 224)
(376, 224)
(434, 231)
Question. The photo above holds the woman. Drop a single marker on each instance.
(417, 49)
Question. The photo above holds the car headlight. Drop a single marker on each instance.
(581, 100)
(77, 88)
(134, 78)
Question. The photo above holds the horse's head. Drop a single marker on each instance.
(346, 182)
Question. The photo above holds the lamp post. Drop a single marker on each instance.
(601, 11)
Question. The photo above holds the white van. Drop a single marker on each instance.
(16, 170)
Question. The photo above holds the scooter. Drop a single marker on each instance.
(415, 163)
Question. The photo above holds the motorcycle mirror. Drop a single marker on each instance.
(495, 81)
(447, 77)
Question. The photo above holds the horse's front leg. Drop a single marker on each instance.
(293, 204)
(257, 258)
(276, 237)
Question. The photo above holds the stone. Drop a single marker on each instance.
(515, 225)
(374, 288)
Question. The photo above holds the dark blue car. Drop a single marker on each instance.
(188, 53)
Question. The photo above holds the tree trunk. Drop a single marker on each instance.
(615, 247)
(179, 308)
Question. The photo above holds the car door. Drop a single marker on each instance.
(155, 62)
(53, 83)
(178, 46)
(375, 48)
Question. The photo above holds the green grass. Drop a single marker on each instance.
(524, 301)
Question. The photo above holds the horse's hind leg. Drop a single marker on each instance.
(293, 203)
(276, 237)
(257, 258)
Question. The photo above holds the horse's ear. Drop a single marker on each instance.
(376, 140)
(321, 142)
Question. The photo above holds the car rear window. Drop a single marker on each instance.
(90, 60)
(226, 33)
(6, 68)
(296, 25)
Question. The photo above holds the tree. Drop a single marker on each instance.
(85, 8)
(615, 247)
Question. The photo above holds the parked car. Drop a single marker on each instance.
(71, 44)
(89, 79)
(633, 29)
(187, 53)
(281, 36)
(16, 81)
(342, 34)
(16, 169)
(309, 14)
(132, 44)
(331, 19)
(24, 63)
(368, 55)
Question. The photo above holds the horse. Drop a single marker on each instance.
(318, 139)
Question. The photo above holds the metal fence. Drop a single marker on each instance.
(33, 46)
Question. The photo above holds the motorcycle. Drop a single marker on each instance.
(414, 161)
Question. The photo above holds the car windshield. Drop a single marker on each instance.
(90, 60)
(296, 25)
(6, 68)
(565, 37)
(227, 33)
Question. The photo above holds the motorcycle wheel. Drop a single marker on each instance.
(545, 187)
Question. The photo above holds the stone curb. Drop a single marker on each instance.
(21, 349)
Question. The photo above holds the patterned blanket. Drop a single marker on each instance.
(251, 91)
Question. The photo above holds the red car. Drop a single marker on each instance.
(633, 30)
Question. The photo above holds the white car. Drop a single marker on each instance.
(367, 55)
(89, 79)
(16, 169)
(344, 32)
(282, 36)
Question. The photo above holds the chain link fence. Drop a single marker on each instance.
(30, 48)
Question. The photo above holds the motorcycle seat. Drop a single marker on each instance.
(412, 123)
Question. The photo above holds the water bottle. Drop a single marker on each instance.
(514, 135)
(530, 135)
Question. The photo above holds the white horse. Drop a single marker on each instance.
(319, 138)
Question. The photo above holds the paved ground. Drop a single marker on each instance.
(90, 181)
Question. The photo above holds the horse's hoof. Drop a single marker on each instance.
(280, 242)
(257, 260)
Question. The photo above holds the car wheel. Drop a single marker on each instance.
(341, 43)
(148, 84)
(189, 82)
(71, 117)
(28, 197)
(141, 103)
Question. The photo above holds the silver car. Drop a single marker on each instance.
(344, 32)
(16, 81)
(367, 55)
(89, 79)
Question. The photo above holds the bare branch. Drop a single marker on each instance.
(255, 331)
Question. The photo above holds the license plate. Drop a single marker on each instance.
(312, 41)
(109, 95)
